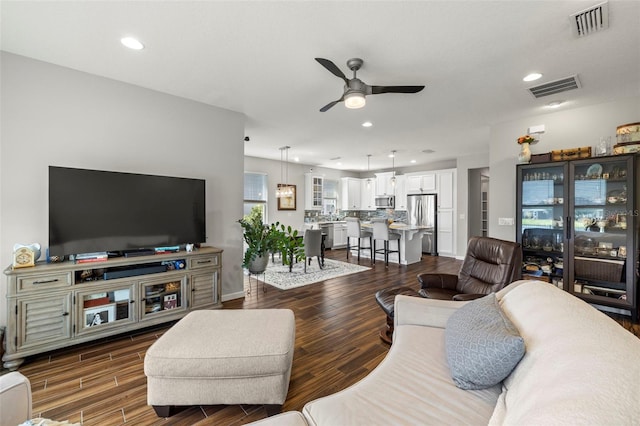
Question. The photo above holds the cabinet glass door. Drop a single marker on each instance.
(104, 307)
(602, 214)
(541, 221)
(162, 297)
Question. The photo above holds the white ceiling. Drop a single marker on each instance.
(257, 57)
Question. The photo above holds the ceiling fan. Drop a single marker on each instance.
(355, 89)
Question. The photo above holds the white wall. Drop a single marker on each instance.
(57, 116)
(464, 164)
(293, 218)
(564, 129)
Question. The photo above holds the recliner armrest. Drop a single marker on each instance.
(15, 399)
(446, 281)
(463, 297)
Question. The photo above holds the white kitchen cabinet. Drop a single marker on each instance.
(383, 184)
(339, 235)
(446, 190)
(401, 192)
(421, 183)
(367, 194)
(350, 191)
(313, 189)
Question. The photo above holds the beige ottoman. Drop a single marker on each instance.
(222, 357)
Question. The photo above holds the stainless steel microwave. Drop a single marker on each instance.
(386, 202)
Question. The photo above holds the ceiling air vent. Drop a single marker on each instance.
(553, 87)
(590, 20)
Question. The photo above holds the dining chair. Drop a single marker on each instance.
(312, 246)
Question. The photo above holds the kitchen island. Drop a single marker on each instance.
(410, 242)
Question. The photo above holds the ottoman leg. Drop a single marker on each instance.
(273, 409)
(162, 410)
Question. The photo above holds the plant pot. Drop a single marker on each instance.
(259, 264)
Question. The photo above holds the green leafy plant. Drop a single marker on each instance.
(263, 239)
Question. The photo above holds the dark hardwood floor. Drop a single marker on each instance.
(337, 344)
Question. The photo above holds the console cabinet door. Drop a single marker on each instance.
(105, 307)
(204, 289)
(162, 297)
(43, 320)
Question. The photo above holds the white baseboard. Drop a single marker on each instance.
(231, 296)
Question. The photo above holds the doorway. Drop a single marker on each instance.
(478, 202)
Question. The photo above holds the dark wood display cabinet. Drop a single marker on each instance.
(577, 222)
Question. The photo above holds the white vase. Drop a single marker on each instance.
(525, 154)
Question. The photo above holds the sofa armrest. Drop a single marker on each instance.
(445, 281)
(15, 399)
(410, 310)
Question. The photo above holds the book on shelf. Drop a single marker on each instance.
(93, 255)
(89, 303)
(92, 259)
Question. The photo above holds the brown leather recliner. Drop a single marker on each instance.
(489, 265)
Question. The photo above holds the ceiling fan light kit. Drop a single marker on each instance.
(355, 90)
(354, 100)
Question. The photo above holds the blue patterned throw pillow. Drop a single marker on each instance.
(482, 345)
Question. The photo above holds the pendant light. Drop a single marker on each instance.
(368, 164)
(393, 167)
(284, 189)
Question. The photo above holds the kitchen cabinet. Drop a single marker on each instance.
(446, 190)
(383, 184)
(313, 191)
(339, 234)
(577, 223)
(367, 194)
(422, 183)
(401, 192)
(350, 190)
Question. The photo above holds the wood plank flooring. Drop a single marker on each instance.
(337, 344)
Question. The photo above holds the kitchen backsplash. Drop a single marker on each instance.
(316, 216)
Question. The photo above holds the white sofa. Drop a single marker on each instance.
(579, 367)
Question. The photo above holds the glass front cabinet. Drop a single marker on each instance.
(577, 224)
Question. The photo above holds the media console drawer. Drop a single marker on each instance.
(31, 283)
(204, 262)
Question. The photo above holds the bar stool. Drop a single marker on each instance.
(381, 232)
(354, 230)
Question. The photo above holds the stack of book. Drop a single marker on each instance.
(100, 256)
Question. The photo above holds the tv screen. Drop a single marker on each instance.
(96, 211)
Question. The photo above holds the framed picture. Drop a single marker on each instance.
(287, 203)
(99, 315)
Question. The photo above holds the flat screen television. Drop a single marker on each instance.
(96, 211)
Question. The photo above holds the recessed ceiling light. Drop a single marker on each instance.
(296, 159)
(532, 77)
(132, 43)
(367, 124)
(412, 161)
(554, 104)
(391, 155)
(339, 163)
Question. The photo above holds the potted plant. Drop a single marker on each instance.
(263, 239)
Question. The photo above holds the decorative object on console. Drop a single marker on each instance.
(25, 255)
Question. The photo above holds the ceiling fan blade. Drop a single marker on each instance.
(330, 105)
(376, 90)
(333, 68)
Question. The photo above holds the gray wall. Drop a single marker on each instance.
(57, 116)
(564, 129)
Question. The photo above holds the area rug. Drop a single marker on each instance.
(278, 275)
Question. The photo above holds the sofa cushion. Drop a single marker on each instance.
(580, 367)
(482, 345)
(411, 386)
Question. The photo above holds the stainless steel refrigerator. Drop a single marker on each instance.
(422, 211)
